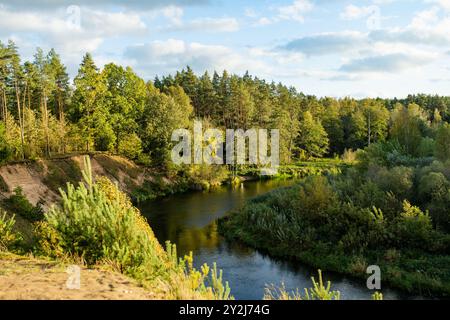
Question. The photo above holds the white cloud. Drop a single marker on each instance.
(353, 12)
(296, 11)
(445, 4)
(263, 21)
(174, 14)
(45, 5)
(92, 23)
(387, 63)
(328, 43)
(55, 30)
(163, 57)
(206, 25)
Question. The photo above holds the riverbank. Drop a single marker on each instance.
(40, 180)
(96, 227)
(410, 270)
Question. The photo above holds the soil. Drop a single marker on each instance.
(27, 278)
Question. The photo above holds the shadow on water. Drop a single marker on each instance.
(189, 221)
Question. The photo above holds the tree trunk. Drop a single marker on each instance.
(47, 138)
(22, 137)
(5, 110)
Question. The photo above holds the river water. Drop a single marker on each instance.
(189, 221)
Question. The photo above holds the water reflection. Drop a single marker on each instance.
(189, 221)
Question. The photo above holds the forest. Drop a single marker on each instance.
(114, 110)
(390, 207)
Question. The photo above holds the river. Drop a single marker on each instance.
(189, 221)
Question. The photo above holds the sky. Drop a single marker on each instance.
(358, 48)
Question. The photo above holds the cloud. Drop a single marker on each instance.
(353, 12)
(175, 16)
(263, 21)
(444, 4)
(327, 43)
(426, 28)
(92, 23)
(389, 63)
(44, 5)
(173, 13)
(55, 30)
(295, 11)
(206, 25)
(168, 56)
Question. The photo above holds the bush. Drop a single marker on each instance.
(130, 146)
(318, 292)
(204, 176)
(18, 203)
(414, 228)
(398, 180)
(8, 238)
(433, 186)
(349, 156)
(5, 151)
(98, 223)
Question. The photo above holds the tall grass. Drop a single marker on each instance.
(97, 223)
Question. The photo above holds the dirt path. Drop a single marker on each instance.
(28, 278)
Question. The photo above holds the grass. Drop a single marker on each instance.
(412, 270)
(415, 273)
(60, 172)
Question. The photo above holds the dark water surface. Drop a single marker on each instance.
(189, 221)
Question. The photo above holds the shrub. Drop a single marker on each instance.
(98, 223)
(414, 229)
(318, 292)
(398, 180)
(443, 142)
(8, 237)
(18, 203)
(349, 156)
(206, 176)
(130, 146)
(314, 197)
(5, 151)
(433, 186)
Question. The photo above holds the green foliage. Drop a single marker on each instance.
(97, 223)
(377, 296)
(204, 177)
(312, 138)
(318, 292)
(115, 110)
(443, 142)
(97, 227)
(8, 238)
(5, 151)
(390, 201)
(407, 127)
(59, 172)
(130, 146)
(19, 204)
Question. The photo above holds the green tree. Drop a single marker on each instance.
(376, 118)
(161, 116)
(407, 124)
(312, 138)
(443, 142)
(88, 106)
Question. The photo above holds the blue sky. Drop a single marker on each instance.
(335, 48)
